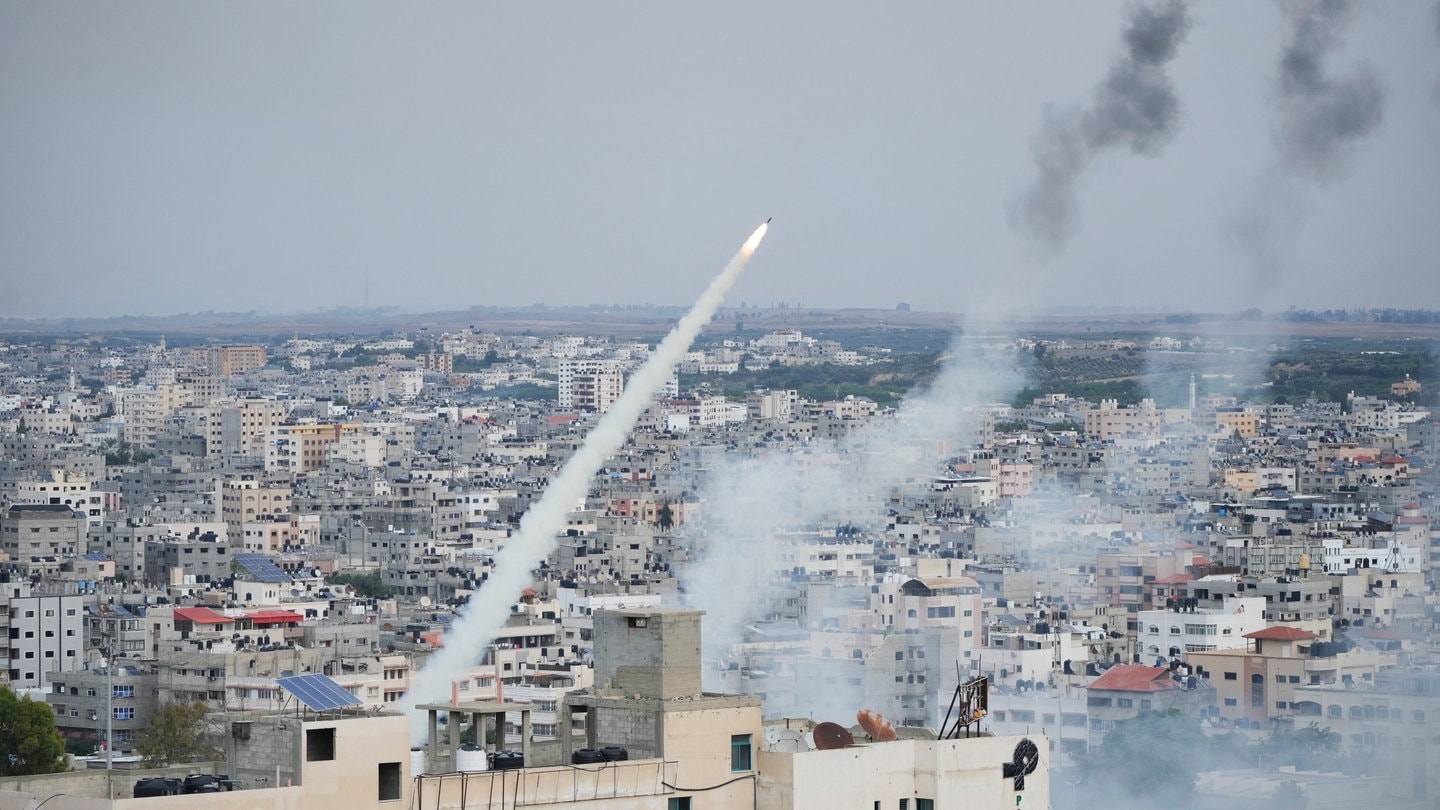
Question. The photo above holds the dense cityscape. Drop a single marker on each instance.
(380, 427)
(193, 523)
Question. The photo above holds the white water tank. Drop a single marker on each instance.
(417, 762)
(471, 758)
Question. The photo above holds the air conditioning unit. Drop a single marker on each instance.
(240, 730)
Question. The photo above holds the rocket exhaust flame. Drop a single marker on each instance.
(754, 241)
(480, 620)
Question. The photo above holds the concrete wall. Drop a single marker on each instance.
(351, 779)
(93, 782)
(613, 786)
(700, 742)
(270, 757)
(956, 774)
(651, 653)
(637, 725)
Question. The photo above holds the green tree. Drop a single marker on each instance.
(29, 741)
(122, 454)
(366, 585)
(1309, 748)
(177, 733)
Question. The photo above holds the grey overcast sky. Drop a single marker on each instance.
(170, 157)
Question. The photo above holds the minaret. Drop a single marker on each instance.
(72, 379)
(1192, 391)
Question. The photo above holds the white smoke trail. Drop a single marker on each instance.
(749, 501)
(486, 613)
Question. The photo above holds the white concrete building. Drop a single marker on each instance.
(1165, 634)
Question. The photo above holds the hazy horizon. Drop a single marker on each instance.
(170, 158)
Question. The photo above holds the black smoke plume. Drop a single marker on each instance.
(1134, 108)
(1320, 119)
(1322, 116)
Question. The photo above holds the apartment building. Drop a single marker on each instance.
(230, 360)
(36, 531)
(1256, 685)
(241, 428)
(43, 632)
(300, 449)
(1182, 627)
(589, 384)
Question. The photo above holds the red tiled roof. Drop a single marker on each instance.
(1173, 579)
(274, 617)
(200, 615)
(1135, 678)
(1278, 633)
(1412, 520)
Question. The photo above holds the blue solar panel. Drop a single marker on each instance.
(318, 692)
(261, 568)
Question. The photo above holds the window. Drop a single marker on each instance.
(124, 690)
(924, 804)
(320, 746)
(389, 780)
(124, 712)
(1229, 676)
(678, 803)
(1124, 703)
(1257, 690)
(1229, 701)
(740, 752)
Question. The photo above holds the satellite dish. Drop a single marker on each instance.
(830, 736)
(425, 601)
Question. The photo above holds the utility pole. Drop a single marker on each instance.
(110, 714)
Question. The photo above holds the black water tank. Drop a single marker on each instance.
(507, 761)
(586, 756)
(156, 786)
(615, 753)
(201, 783)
